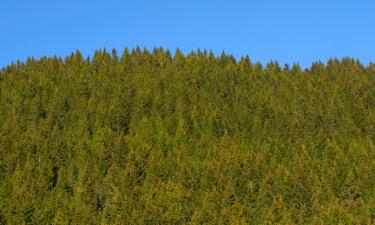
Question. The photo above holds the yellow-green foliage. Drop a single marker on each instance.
(151, 138)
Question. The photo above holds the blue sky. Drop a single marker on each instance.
(288, 31)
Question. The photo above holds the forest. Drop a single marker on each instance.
(161, 137)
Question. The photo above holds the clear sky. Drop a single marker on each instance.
(284, 30)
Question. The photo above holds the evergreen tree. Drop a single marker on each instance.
(151, 138)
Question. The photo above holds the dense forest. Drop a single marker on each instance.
(154, 137)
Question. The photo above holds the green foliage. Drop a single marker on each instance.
(151, 138)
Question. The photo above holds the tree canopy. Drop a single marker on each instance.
(154, 137)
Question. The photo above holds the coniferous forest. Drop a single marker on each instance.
(160, 137)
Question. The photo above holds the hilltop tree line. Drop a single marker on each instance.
(154, 137)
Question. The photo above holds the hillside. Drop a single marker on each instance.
(151, 137)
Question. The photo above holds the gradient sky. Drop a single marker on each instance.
(288, 31)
